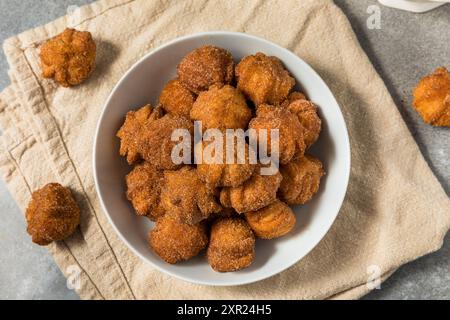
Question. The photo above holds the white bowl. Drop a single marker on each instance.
(143, 83)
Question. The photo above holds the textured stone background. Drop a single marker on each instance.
(406, 47)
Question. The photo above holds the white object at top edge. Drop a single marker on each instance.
(418, 6)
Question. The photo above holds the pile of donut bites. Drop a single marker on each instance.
(212, 206)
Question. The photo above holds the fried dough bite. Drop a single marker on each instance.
(156, 145)
(186, 197)
(301, 180)
(263, 79)
(293, 96)
(221, 108)
(176, 99)
(291, 141)
(216, 172)
(175, 241)
(273, 221)
(306, 112)
(204, 67)
(296, 95)
(52, 214)
(144, 190)
(231, 246)
(68, 58)
(131, 131)
(432, 98)
(256, 193)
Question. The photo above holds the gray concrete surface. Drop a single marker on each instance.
(406, 47)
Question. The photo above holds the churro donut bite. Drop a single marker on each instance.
(175, 241)
(293, 96)
(144, 190)
(291, 141)
(301, 180)
(273, 221)
(263, 79)
(176, 99)
(205, 67)
(296, 95)
(52, 214)
(221, 108)
(231, 246)
(131, 131)
(216, 172)
(256, 193)
(306, 112)
(432, 98)
(68, 58)
(186, 197)
(156, 145)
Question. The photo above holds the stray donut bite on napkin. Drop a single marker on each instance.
(68, 58)
(52, 214)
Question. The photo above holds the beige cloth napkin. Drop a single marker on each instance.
(395, 209)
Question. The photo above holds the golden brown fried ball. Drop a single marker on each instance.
(131, 131)
(69, 57)
(293, 96)
(296, 95)
(256, 193)
(221, 108)
(175, 241)
(176, 99)
(52, 214)
(216, 172)
(186, 197)
(273, 221)
(231, 246)
(432, 98)
(306, 112)
(301, 180)
(291, 141)
(263, 79)
(205, 67)
(155, 143)
(144, 190)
